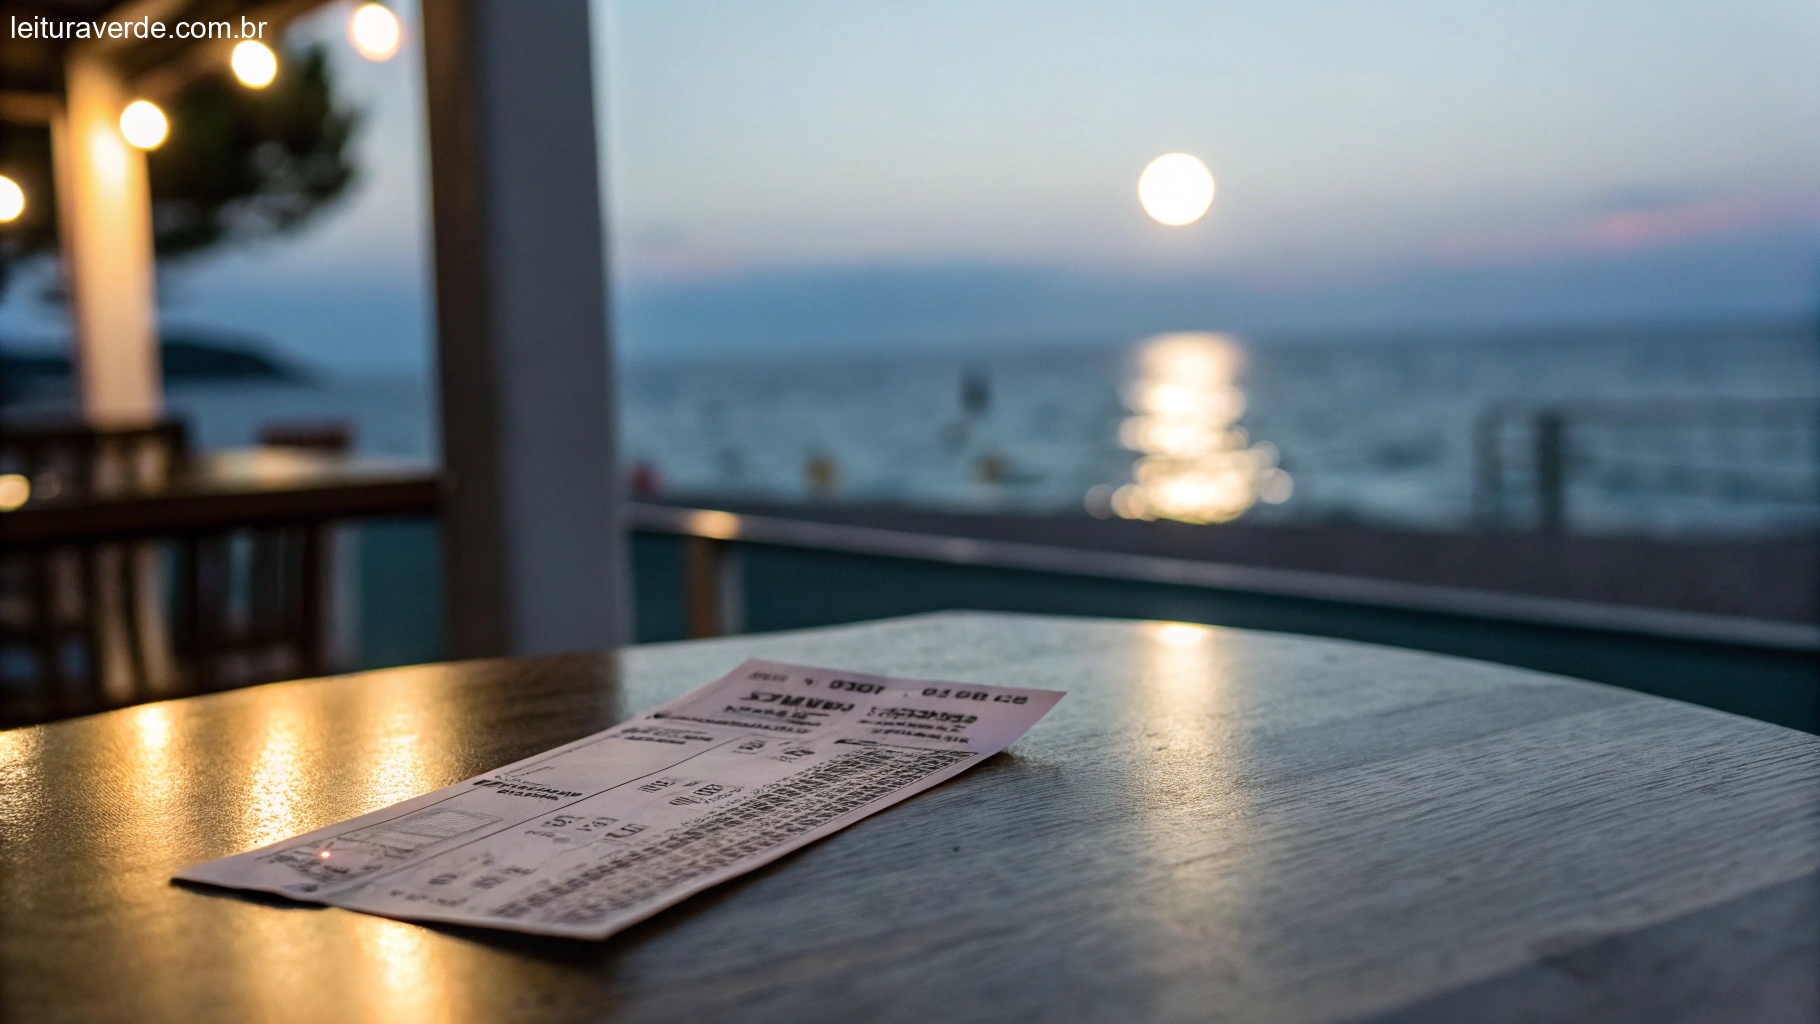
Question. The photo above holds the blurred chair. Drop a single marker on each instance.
(85, 626)
(103, 623)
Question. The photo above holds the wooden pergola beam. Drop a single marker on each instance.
(179, 66)
(30, 107)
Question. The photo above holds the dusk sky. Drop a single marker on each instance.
(822, 174)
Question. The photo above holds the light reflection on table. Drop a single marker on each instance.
(1225, 822)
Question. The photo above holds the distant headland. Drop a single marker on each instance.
(188, 355)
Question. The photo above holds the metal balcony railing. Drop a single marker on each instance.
(703, 572)
(1560, 466)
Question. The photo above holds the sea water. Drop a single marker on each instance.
(1374, 429)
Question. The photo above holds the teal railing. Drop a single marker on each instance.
(701, 572)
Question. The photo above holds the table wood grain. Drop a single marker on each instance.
(1214, 825)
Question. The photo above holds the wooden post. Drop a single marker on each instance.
(1551, 471)
(702, 592)
(105, 206)
(533, 546)
(104, 202)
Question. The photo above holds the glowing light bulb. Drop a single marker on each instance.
(15, 489)
(254, 64)
(1176, 189)
(143, 124)
(375, 32)
(12, 200)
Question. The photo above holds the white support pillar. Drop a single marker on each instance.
(535, 557)
(105, 206)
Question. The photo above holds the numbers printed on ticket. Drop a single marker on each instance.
(601, 833)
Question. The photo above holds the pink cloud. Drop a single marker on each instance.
(1635, 229)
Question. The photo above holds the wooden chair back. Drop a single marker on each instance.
(88, 626)
(85, 626)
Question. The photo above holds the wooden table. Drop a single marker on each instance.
(230, 490)
(1214, 825)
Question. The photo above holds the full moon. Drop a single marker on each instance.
(1176, 189)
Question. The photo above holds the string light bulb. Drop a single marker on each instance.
(254, 64)
(12, 200)
(375, 32)
(143, 125)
